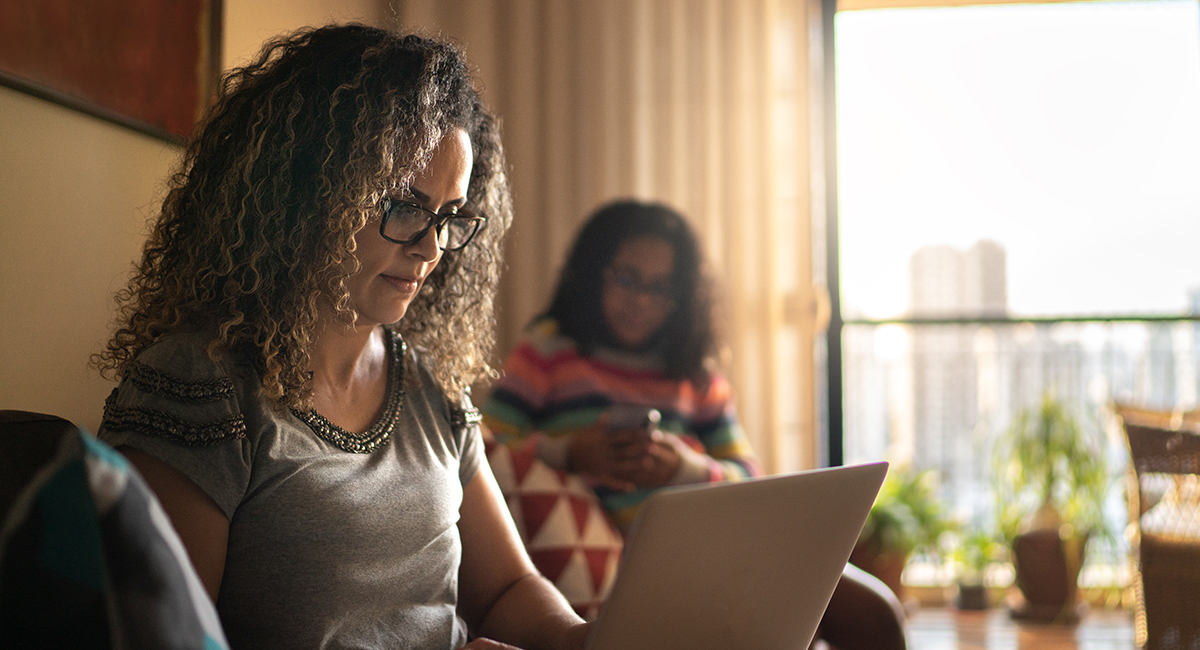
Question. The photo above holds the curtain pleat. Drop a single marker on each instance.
(708, 105)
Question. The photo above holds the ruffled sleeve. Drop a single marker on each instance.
(180, 406)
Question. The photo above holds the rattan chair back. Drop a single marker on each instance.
(1164, 506)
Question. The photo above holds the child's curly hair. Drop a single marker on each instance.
(256, 234)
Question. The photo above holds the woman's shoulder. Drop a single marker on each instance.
(176, 389)
(182, 365)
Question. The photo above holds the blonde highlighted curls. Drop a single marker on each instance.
(255, 236)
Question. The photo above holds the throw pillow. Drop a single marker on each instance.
(564, 528)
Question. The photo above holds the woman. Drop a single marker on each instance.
(631, 323)
(296, 346)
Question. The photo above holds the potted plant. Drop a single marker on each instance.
(972, 554)
(1050, 482)
(907, 517)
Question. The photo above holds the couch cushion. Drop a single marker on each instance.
(564, 528)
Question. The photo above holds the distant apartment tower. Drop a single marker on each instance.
(945, 283)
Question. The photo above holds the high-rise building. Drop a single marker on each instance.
(946, 281)
(950, 360)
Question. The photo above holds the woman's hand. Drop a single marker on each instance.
(625, 459)
(661, 461)
(612, 458)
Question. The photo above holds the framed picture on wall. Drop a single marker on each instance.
(148, 65)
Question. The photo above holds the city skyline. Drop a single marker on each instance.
(936, 396)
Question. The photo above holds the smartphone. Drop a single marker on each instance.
(632, 416)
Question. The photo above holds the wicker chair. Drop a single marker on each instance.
(1164, 508)
(1158, 419)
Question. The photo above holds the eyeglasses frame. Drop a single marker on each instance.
(437, 221)
(668, 298)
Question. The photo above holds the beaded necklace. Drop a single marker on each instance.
(379, 433)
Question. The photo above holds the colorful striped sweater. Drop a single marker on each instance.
(548, 389)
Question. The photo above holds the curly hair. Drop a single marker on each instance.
(255, 237)
(687, 341)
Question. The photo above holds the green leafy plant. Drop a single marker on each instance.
(907, 515)
(1048, 467)
(973, 552)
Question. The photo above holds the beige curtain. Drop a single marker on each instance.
(705, 104)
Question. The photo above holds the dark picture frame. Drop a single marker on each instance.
(146, 65)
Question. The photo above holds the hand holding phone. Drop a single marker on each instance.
(632, 416)
(618, 450)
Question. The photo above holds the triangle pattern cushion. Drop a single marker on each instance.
(580, 507)
(551, 562)
(597, 566)
(569, 537)
(537, 508)
(523, 462)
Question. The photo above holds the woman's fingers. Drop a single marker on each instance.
(655, 468)
(597, 454)
(623, 459)
(629, 443)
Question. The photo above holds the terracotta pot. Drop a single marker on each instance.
(1047, 566)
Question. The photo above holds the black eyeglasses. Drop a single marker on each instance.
(405, 222)
(631, 283)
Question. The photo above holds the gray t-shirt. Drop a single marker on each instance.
(328, 548)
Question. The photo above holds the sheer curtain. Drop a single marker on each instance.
(709, 105)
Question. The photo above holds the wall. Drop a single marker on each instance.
(247, 23)
(75, 194)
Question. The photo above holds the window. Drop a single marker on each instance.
(1018, 213)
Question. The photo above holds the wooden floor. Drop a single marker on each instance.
(949, 629)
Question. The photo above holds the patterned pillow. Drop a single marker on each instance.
(564, 528)
(88, 556)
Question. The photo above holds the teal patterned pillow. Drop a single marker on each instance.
(88, 559)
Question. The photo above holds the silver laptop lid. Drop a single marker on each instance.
(738, 565)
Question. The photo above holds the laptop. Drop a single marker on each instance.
(739, 565)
